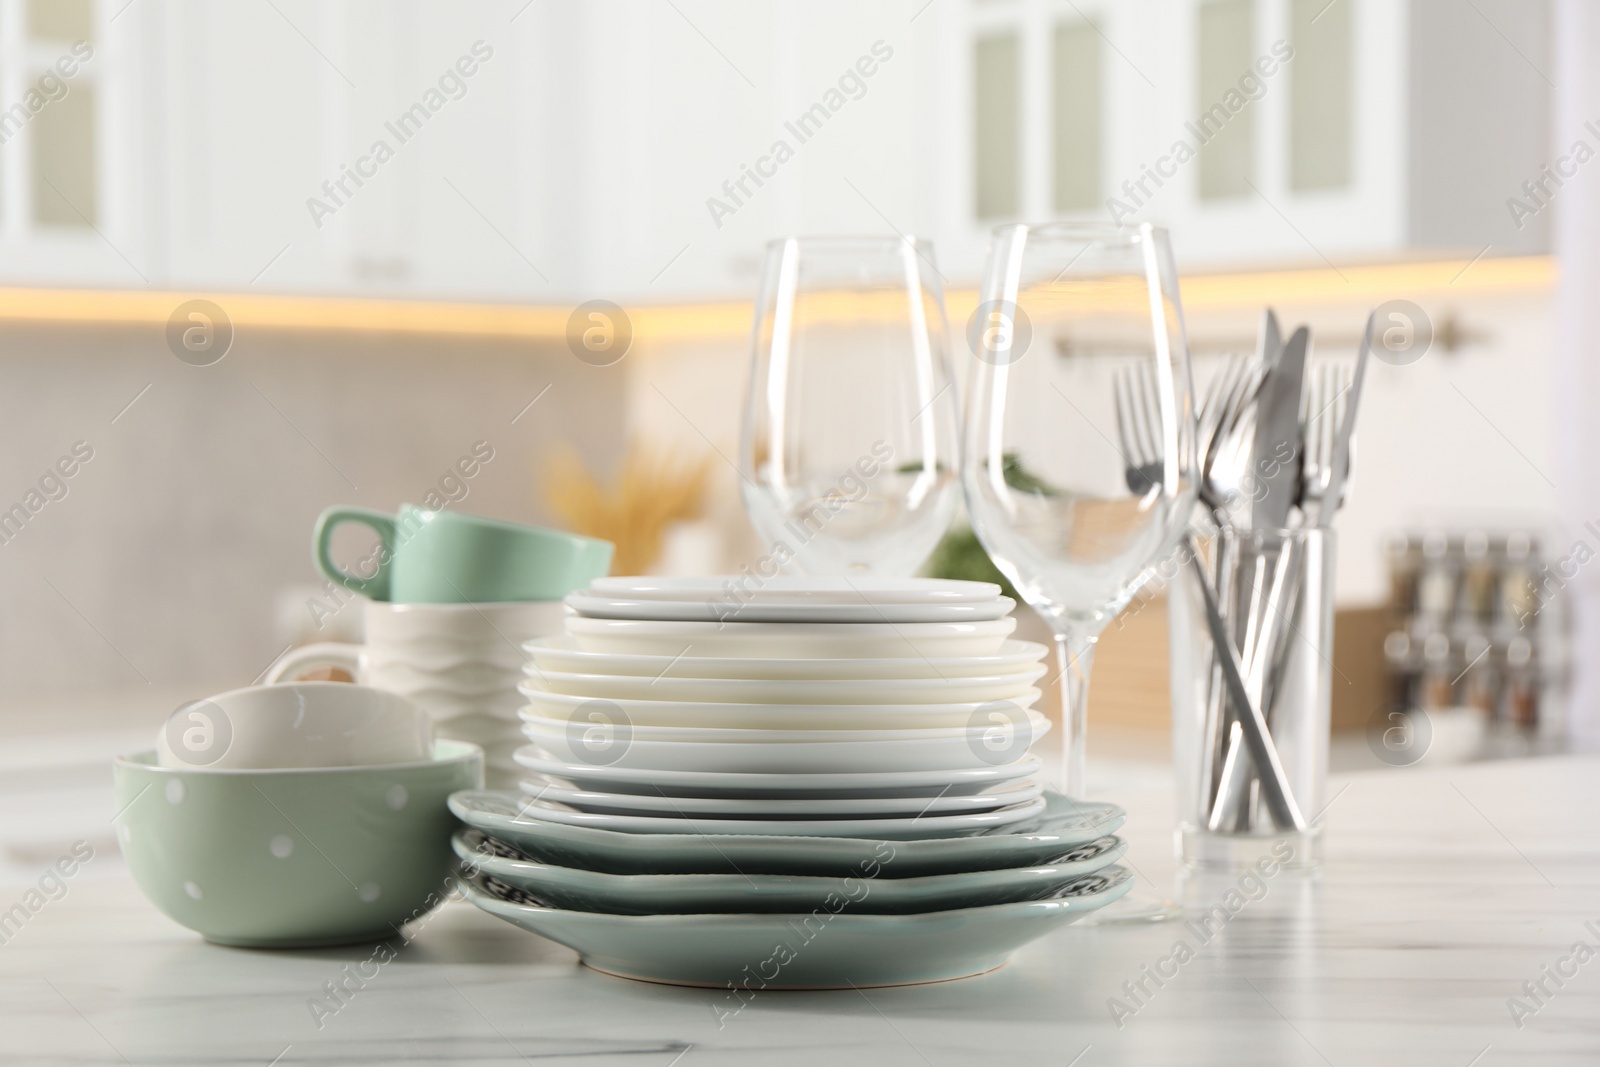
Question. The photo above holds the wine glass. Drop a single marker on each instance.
(848, 458)
(1069, 314)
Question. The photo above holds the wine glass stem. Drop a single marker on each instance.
(1074, 656)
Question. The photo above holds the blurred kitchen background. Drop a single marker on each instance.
(397, 207)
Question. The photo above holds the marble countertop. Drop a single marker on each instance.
(1450, 896)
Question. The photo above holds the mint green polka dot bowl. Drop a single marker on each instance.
(293, 858)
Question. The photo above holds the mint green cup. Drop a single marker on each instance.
(293, 858)
(445, 557)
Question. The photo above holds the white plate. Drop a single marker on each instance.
(563, 654)
(962, 781)
(868, 640)
(613, 747)
(540, 788)
(684, 714)
(892, 829)
(536, 726)
(784, 691)
(723, 611)
(798, 589)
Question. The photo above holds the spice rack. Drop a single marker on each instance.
(1479, 623)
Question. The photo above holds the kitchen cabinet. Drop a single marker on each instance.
(1258, 131)
(645, 152)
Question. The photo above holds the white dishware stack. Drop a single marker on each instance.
(594, 720)
(811, 730)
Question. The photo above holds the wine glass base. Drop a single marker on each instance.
(1135, 908)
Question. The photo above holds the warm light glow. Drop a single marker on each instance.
(1369, 284)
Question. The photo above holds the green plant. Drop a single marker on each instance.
(961, 556)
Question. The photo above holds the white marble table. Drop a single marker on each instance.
(1445, 890)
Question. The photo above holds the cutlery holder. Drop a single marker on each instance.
(1275, 589)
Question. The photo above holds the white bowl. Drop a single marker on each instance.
(845, 639)
(295, 725)
(472, 626)
(773, 691)
(563, 654)
(724, 716)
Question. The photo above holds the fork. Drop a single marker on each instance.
(1138, 428)
(1321, 416)
(1326, 401)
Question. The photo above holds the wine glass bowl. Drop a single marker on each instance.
(1066, 313)
(848, 457)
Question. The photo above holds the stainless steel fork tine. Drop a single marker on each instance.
(1210, 408)
(1133, 394)
(1343, 384)
(1151, 423)
(1121, 401)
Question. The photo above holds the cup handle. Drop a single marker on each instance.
(377, 586)
(295, 662)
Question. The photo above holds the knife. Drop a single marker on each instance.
(1275, 458)
(1249, 723)
(1275, 473)
(1271, 338)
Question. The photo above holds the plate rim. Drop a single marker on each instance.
(565, 644)
(1124, 878)
(911, 778)
(1034, 789)
(639, 879)
(787, 585)
(1109, 810)
(587, 605)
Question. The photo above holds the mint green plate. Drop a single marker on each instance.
(1064, 824)
(830, 947)
(293, 858)
(875, 890)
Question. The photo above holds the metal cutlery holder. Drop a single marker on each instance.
(1275, 590)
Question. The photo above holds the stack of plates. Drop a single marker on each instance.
(707, 758)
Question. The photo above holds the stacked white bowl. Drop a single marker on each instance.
(846, 707)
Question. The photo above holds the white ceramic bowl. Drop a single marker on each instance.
(471, 626)
(295, 725)
(563, 654)
(758, 691)
(741, 716)
(845, 639)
